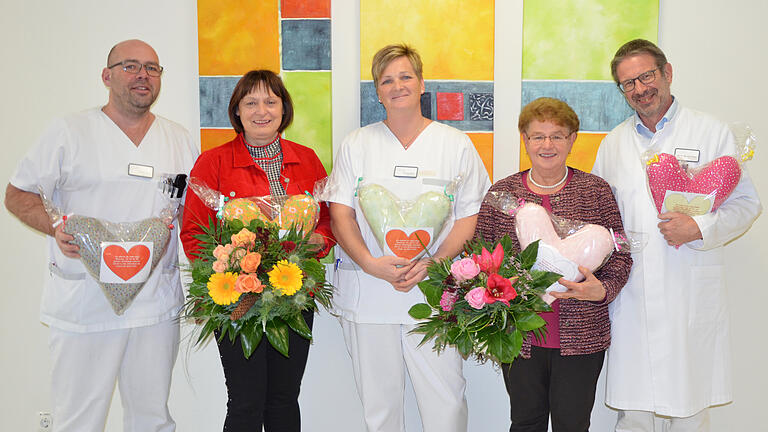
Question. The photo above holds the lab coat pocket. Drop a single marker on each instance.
(707, 299)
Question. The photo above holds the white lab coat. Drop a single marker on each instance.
(670, 349)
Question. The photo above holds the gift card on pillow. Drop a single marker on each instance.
(690, 203)
(125, 262)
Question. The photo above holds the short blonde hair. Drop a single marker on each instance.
(388, 54)
(548, 109)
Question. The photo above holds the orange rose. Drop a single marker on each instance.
(248, 283)
(244, 238)
(250, 262)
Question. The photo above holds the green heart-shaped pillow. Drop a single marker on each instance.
(383, 209)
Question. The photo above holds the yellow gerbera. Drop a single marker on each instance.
(221, 288)
(286, 277)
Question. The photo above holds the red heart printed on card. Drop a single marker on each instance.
(588, 246)
(126, 264)
(718, 177)
(407, 246)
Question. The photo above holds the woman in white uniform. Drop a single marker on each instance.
(409, 155)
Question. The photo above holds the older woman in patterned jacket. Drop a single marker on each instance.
(558, 375)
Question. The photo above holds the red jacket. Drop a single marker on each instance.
(230, 168)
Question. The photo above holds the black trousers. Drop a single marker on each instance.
(263, 390)
(550, 383)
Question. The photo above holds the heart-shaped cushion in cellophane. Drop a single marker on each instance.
(243, 209)
(89, 234)
(716, 180)
(301, 212)
(383, 210)
(588, 246)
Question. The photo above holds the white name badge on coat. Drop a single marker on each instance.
(687, 155)
(406, 171)
(125, 262)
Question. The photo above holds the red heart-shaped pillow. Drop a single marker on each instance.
(718, 178)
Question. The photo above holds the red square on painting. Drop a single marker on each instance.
(305, 8)
(450, 106)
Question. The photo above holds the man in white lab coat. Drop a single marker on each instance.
(669, 358)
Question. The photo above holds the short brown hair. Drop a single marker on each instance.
(253, 80)
(637, 47)
(389, 53)
(548, 109)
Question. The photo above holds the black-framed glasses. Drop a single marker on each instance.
(134, 67)
(645, 78)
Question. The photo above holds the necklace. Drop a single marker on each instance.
(562, 180)
(410, 141)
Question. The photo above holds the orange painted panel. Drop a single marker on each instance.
(305, 8)
(234, 39)
(210, 138)
(582, 155)
(484, 144)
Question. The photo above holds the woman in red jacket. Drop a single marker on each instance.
(263, 389)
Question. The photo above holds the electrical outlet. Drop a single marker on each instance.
(45, 422)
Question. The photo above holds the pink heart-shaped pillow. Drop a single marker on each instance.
(588, 246)
(718, 177)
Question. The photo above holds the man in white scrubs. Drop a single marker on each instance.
(669, 358)
(106, 163)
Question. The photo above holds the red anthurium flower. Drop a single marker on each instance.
(499, 289)
(490, 262)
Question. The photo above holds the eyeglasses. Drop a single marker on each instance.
(134, 67)
(554, 139)
(645, 78)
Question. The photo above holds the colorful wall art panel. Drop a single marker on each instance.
(567, 50)
(290, 37)
(455, 41)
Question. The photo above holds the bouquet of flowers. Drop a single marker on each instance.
(254, 279)
(486, 303)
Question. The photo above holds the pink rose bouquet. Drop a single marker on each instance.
(486, 303)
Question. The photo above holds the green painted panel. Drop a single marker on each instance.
(576, 39)
(311, 95)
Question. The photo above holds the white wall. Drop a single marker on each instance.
(52, 56)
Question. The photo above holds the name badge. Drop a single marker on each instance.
(406, 171)
(137, 170)
(687, 155)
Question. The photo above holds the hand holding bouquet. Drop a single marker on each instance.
(486, 303)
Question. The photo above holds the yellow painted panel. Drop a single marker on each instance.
(236, 37)
(454, 37)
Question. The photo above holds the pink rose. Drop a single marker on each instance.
(248, 283)
(475, 297)
(220, 266)
(464, 269)
(448, 300)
